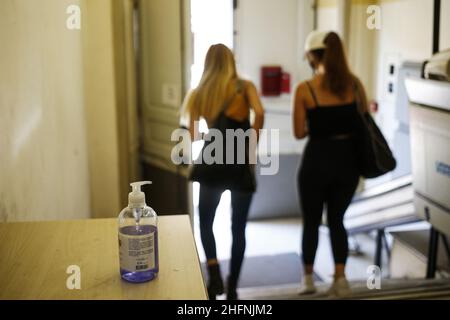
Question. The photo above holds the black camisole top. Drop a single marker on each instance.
(337, 121)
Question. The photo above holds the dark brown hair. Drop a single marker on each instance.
(338, 77)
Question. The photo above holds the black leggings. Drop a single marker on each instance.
(240, 203)
(328, 176)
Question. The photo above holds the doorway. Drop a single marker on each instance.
(211, 23)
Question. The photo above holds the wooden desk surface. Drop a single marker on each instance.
(34, 257)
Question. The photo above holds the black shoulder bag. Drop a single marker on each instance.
(375, 156)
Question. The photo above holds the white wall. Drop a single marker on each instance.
(406, 34)
(43, 160)
(211, 23)
(407, 28)
(267, 35)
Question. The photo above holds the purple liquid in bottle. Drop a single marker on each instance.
(140, 253)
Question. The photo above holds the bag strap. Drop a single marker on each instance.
(312, 93)
(357, 98)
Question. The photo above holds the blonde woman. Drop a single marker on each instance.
(224, 101)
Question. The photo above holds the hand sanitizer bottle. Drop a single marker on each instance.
(138, 238)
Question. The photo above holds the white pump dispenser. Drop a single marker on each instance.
(136, 198)
(138, 238)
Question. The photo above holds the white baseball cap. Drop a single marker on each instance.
(316, 40)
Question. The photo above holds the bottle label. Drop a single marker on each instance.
(137, 252)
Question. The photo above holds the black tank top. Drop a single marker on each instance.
(337, 121)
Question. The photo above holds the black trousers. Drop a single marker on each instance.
(328, 176)
(240, 203)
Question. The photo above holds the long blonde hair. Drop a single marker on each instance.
(216, 86)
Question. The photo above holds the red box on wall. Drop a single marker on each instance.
(271, 80)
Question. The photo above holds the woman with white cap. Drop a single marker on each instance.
(325, 110)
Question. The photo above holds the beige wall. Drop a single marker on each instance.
(348, 19)
(361, 45)
(101, 108)
(64, 137)
(445, 24)
(43, 160)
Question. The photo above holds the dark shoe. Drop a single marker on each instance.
(232, 289)
(215, 285)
